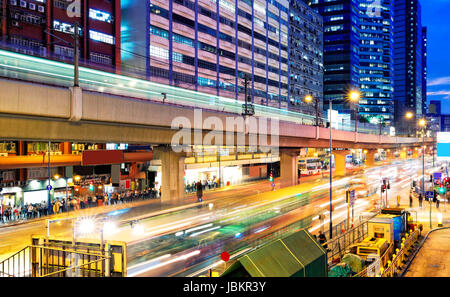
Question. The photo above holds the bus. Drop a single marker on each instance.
(309, 166)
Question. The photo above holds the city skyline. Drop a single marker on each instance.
(438, 73)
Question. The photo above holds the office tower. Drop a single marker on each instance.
(210, 46)
(408, 59)
(376, 61)
(341, 51)
(45, 28)
(305, 58)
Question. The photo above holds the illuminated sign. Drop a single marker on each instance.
(443, 145)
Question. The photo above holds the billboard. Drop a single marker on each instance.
(443, 145)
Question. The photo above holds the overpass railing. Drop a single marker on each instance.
(37, 66)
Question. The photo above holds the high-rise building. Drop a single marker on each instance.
(305, 58)
(210, 46)
(376, 61)
(45, 28)
(341, 51)
(408, 63)
(424, 70)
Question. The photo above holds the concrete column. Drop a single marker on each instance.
(370, 157)
(67, 148)
(390, 155)
(172, 170)
(289, 167)
(403, 154)
(339, 162)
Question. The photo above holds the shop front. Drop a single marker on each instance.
(36, 191)
(11, 196)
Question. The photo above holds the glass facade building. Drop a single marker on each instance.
(376, 61)
(341, 50)
(408, 67)
(210, 45)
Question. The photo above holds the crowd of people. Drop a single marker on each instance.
(206, 184)
(10, 214)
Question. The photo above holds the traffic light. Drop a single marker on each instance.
(271, 177)
(389, 186)
(383, 188)
(431, 177)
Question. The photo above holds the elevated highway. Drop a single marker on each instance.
(37, 103)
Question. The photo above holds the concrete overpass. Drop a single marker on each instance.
(48, 110)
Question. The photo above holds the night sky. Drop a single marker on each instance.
(436, 16)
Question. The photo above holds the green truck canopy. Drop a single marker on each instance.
(296, 255)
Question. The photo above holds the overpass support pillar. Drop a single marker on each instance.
(403, 154)
(370, 157)
(172, 179)
(390, 155)
(289, 167)
(339, 162)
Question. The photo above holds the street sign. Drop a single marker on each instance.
(429, 194)
(49, 187)
(437, 176)
(352, 197)
(443, 146)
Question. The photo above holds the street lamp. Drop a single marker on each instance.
(353, 96)
(409, 115)
(423, 123)
(309, 99)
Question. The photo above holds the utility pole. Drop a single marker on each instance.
(248, 108)
(76, 56)
(317, 111)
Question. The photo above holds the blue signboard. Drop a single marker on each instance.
(430, 194)
(49, 187)
(437, 176)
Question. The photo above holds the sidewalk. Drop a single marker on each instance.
(433, 258)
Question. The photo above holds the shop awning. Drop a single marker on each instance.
(297, 255)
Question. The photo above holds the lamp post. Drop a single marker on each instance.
(422, 123)
(409, 115)
(353, 96)
(309, 99)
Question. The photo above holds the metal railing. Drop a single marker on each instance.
(400, 255)
(49, 261)
(339, 245)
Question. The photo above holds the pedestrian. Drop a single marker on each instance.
(398, 200)
(199, 191)
(323, 240)
(420, 200)
(410, 200)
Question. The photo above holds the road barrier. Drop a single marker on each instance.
(394, 266)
